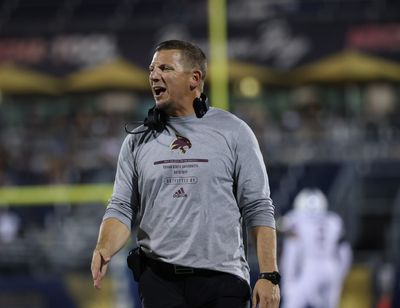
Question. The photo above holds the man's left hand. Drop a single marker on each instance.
(266, 294)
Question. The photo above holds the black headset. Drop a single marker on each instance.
(156, 119)
(200, 105)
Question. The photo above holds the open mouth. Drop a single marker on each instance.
(158, 91)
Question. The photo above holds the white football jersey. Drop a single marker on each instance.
(314, 259)
(318, 233)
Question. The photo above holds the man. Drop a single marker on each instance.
(315, 257)
(189, 183)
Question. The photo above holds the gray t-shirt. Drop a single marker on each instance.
(189, 188)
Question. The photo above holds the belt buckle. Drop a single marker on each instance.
(183, 270)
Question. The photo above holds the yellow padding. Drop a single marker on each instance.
(55, 194)
(357, 290)
(218, 44)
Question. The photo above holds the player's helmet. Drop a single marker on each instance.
(311, 200)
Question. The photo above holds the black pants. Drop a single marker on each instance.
(215, 290)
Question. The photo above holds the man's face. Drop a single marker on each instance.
(169, 80)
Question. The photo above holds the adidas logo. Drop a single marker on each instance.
(180, 193)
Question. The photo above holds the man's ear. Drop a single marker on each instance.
(195, 79)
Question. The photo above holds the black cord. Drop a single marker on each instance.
(132, 131)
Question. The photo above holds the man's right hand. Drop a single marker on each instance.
(113, 235)
(99, 266)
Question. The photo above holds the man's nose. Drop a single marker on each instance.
(154, 76)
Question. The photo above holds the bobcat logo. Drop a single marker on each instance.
(181, 143)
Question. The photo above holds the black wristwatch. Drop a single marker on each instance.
(274, 277)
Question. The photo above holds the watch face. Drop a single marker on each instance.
(276, 277)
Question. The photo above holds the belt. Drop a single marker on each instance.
(175, 270)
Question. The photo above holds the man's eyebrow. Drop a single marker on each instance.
(161, 66)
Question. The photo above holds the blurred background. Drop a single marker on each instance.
(317, 80)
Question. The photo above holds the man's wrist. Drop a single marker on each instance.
(274, 277)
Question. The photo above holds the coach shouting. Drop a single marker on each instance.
(190, 175)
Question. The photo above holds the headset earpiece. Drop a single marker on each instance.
(156, 119)
(200, 105)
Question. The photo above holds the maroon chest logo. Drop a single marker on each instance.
(181, 143)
